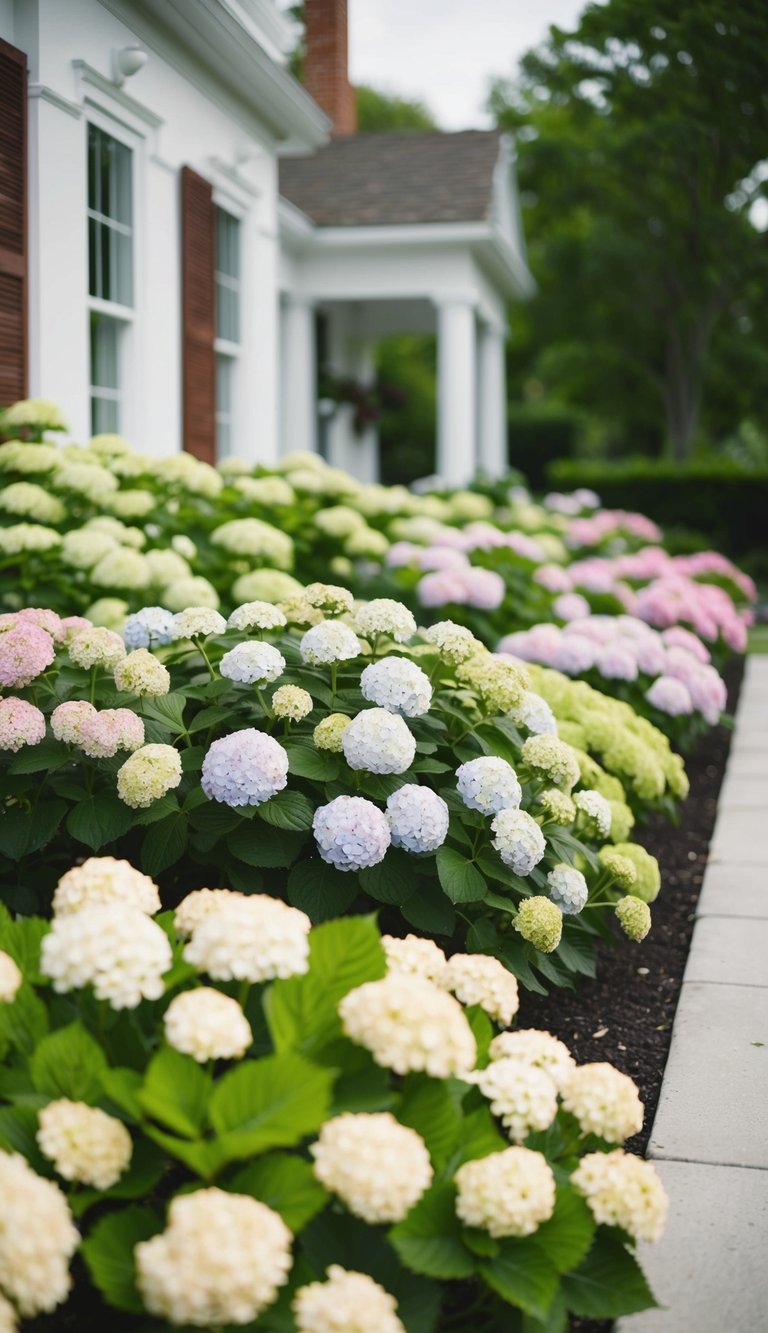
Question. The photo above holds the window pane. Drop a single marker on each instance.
(224, 377)
(227, 244)
(227, 313)
(110, 189)
(105, 416)
(227, 276)
(104, 352)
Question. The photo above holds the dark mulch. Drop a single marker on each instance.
(625, 1015)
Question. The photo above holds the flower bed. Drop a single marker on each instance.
(202, 1031)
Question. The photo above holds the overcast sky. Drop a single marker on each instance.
(445, 52)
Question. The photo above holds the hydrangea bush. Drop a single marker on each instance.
(225, 1117)
(351, 764)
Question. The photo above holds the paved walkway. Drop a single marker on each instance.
(710, 1135)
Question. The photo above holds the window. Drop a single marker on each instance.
(227, 326)
(110, 272)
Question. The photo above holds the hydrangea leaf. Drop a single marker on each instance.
(284, 1182)
(69, 1063)
(609, 1282)
(522, 1275)
(108, 1252)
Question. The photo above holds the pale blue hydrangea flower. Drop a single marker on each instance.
(351, 833)
(150, 627)
(244, 768)
(418, 818)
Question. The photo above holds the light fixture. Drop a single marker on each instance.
(126, 62)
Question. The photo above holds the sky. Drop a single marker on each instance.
(446, 52)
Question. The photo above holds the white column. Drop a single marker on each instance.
(298, 375)
(456, 413)
(492, 401)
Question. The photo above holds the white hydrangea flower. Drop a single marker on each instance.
(196, 622)
(455, 643)
(96, 647)
(256, 540)
(207, 1025)
(351, 833)
(221, 1260)
(488, 784)
(596, 809)
(116, 949)
(415, 956)
(476, 978)
(85, 1144)
(244, 768)
(20, 537)
(536, 1048)
(408, 1023)
(37, 1238)
(148, 774)
(347, 1302)
(104, 879)
(329, 598)
(124, 569)
(330, 641)
(256, 615)
(398, 685)
(623, 1191)
(141, 674)
(522, 1096)
(507, 1193)
(196, 907)
(378, 1167)
(384, 615)
(82, 548)
(8, 1322)
(10, 978)
(568, 889)
(194, 592)
(518, 840)
(418, 818)
(250, 938)
(604, 1101)
(252, 663)
(535, 714)
(378, 742)
(292, 702)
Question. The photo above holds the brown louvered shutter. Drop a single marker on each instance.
(13, 224)
(198, 251)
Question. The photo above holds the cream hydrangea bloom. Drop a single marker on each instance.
(329, 598)
(148, 774)
(250, 938)
(384, 615)
(116, 949)
(536, 1048)
(604, 1101)
(292, 702)
(518, 840)
(554, 758)
(141, 674)
(329, 734)
(197, 905)
(477, 978)
(96, 647)
(10, 978)
(522, 1096)
(507, 1193)
(8, 1322)
(347, 1302)
(207, 1025)
(378, 741)
(84, 1143)
(455, 643)
(104, 879)
(197, 622)
(37, 1238)
(378, 1167)
(623, 1191)
(256, 615)
(408, 1023)
(414, 956)
(330, 641)
(221, 1260)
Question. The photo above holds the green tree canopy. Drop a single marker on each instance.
(642, 136)
(378, 112)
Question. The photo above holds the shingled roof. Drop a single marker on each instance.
(413, 176)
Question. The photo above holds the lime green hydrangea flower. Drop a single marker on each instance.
(622, 820)
(292, 702)
(648, 881)
(634, 917)
(148, 774)
(540, 922)
(552, 757)
(557, 806)
(329, 734)
(501, 685)
(329, 598)
(620, 867)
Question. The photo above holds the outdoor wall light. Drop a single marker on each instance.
(126, 62)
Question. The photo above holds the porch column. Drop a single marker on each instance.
(492, 396)
(298, 375)
(456, 411)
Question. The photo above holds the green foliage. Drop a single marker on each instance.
(640, 133)
(379, 112)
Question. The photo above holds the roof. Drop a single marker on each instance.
(395, 179)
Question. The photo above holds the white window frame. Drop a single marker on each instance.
(127, 318)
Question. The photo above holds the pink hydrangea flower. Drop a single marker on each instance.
(570, 606)
(484, 589)
(554, 578)
(670, 696)
(25, 652)
(20, 724)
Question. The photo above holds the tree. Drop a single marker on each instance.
(378, 112)
(641, 137)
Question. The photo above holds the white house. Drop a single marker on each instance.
(181, 223)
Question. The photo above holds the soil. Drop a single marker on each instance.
(625, 1015)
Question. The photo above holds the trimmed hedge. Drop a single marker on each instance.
(720, 499)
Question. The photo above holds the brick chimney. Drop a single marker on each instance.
(326, 67)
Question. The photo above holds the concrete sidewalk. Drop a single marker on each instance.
(710, 1135)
